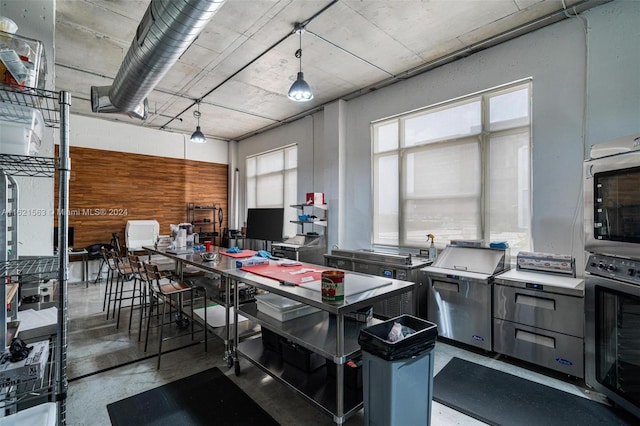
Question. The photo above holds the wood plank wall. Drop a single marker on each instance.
(107, 188)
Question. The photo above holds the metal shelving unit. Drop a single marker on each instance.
(54, 107)
(205, 226)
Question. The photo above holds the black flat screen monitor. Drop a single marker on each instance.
(265, 224)
(69, 237)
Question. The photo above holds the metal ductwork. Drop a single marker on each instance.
(166, 31)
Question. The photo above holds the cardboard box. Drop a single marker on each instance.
(315, 198)
(30, 368)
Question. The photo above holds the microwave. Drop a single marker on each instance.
(612, 198)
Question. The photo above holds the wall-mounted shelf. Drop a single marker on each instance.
(310, 207)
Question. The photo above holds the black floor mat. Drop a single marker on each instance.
(206, 398)
(499, 398)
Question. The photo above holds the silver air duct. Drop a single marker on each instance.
(167, 29)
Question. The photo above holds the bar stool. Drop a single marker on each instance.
(140, 278)
(170, 293)
(125, 273)
(112, 270)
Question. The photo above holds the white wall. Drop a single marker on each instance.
(556, 58)
(88, 132)
(613, 103)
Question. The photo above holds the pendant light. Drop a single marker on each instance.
(198, 136)
(300, 90)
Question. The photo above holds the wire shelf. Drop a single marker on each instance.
(25, 165)
(26, 267)
(45, 101)
(36, 389)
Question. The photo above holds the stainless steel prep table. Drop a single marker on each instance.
(399, 266)
(325, 333)
(221, 268)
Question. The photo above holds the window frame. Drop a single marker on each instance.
(484, 136)
(252, 199)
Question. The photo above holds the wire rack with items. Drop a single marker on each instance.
(30, 110)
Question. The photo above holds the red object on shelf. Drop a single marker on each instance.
(315, 198)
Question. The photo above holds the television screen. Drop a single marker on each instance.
(265, 224)
(69, 237)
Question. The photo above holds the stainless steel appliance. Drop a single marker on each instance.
(308, 248)
(460, 288)
(612, 198)
(538, 312)
(399, 266)
(612, 340)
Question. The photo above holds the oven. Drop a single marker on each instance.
(612, 198)
(612, 339)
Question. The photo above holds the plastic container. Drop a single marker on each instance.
(374, 339)
(270, 339)
(282, 308)
(398, 376)
(21, 129)
(22, 62)
(301, 358)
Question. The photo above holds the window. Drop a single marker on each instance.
(458, 170)
(272, 181)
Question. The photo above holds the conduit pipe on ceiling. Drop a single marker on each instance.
(166, 31)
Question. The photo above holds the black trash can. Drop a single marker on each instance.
(398, 376)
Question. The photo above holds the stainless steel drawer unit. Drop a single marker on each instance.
(539, 318)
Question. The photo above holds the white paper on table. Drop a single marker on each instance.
(216, 315)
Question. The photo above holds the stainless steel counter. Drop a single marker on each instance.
(398, 266)
(327, 333)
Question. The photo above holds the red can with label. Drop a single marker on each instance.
(332, 286)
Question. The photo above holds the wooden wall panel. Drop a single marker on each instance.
(108, 188)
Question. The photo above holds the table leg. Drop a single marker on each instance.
(228, 355)
(339, 416)
(85, 269)
(236, 296)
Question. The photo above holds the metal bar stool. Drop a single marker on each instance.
(112, 270)
(171, 293)
(125, 273)
(139, 277)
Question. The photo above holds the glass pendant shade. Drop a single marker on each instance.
(300, 90)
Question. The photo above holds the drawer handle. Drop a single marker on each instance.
(536, 339)
(536, 302)
(441, 285)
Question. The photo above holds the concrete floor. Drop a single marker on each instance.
(106, 364)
